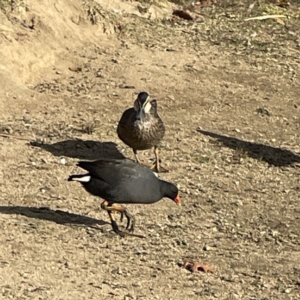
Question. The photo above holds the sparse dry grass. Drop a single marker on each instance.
(8, 6)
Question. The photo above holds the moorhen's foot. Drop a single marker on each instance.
(130, 220)
(116, 229)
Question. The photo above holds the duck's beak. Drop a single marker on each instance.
(140, 114)
(178, 200)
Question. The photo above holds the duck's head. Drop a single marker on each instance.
(142, 105)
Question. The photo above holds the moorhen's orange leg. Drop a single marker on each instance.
(123, 211)
(113, 222)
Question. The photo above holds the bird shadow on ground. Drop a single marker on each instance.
(274, 156)
(82, 149)
(56, 216)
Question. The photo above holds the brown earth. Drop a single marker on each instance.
(228, 91)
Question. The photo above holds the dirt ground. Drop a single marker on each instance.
(228, 91)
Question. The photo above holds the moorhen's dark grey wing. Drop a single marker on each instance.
(112, 171)
(122, 181)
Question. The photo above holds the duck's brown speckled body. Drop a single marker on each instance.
(140, 127)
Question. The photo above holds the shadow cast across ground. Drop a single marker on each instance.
(56, 216)
(274, 156)
(81, 149)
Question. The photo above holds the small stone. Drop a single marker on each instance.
(207, 248)
(235, 296)
(8, 129)
(239, 203)
(171, 217)
(136, 284)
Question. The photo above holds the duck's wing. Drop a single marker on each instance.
(127, 116)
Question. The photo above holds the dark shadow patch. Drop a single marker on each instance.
(55, 216)
(274, 156)
(81, 149)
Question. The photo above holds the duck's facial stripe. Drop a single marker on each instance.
(147, 107)
(145, 104)
(136, 105)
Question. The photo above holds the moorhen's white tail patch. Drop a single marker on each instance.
(85, 178)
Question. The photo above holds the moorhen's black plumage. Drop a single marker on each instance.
(141, 128)
(121, 181)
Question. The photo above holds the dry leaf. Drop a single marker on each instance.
(195, 266)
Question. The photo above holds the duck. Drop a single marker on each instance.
(141, 128)
(123, 181)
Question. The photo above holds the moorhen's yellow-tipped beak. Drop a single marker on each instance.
(178, 200)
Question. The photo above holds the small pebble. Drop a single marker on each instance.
(207, 248)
